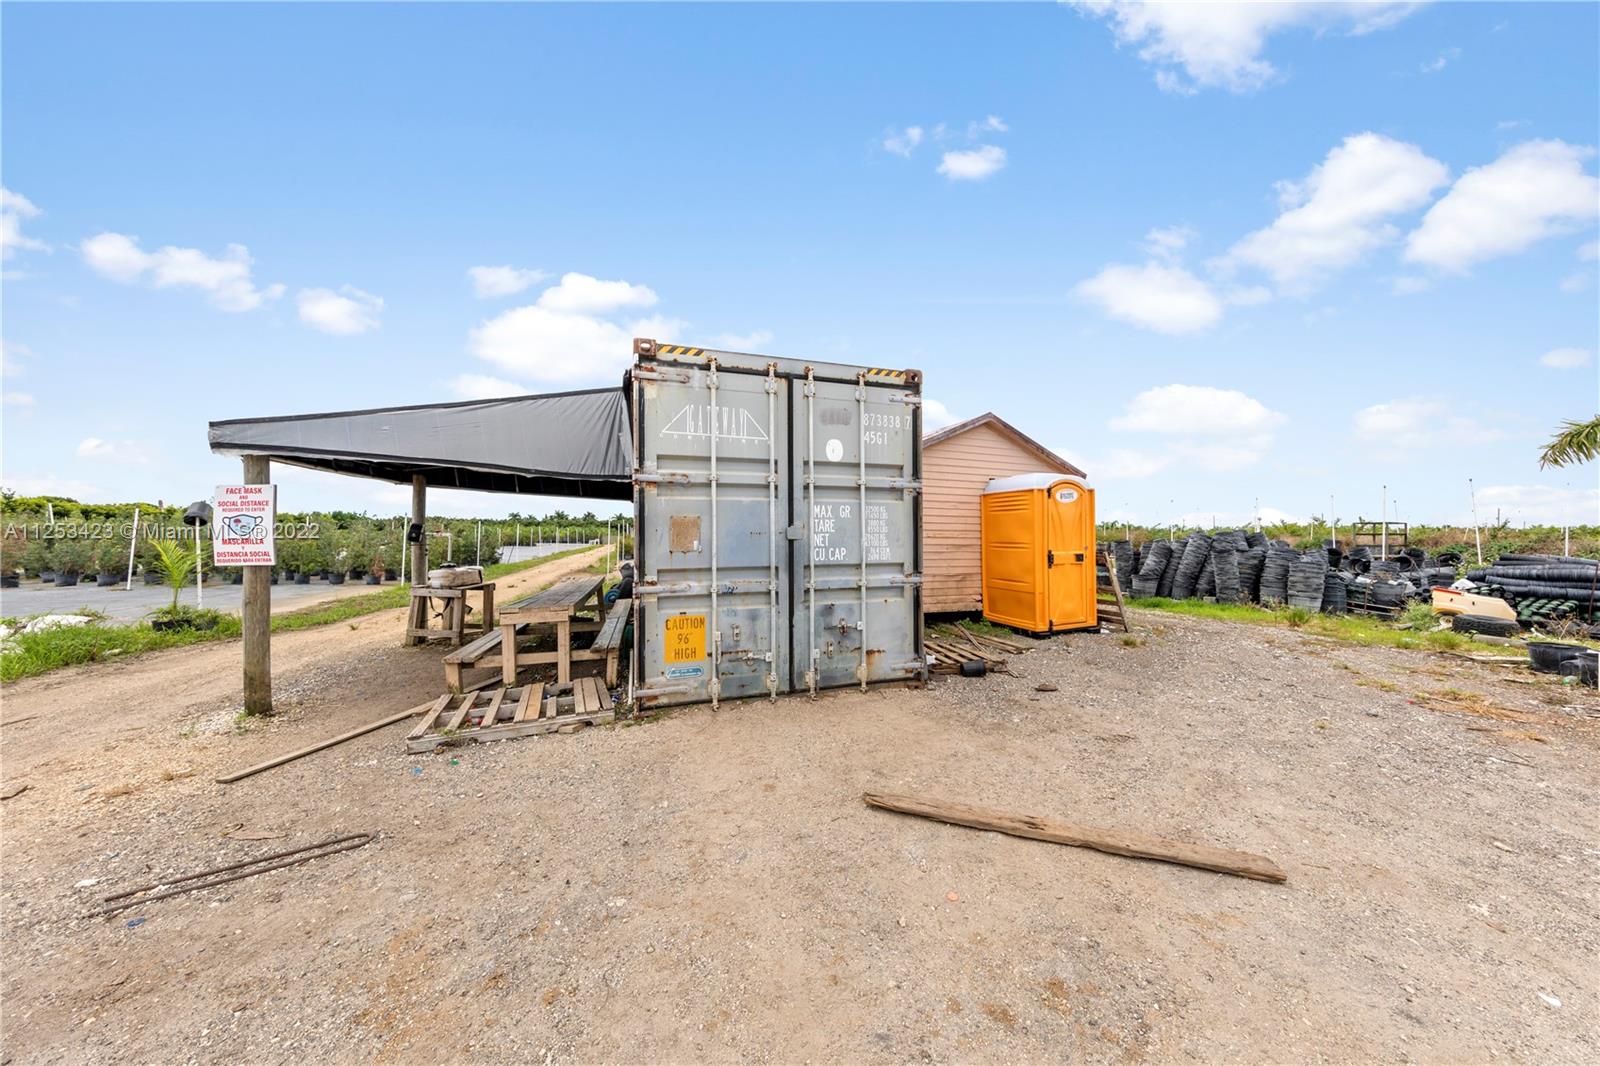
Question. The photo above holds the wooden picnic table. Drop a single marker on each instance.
(562, 606)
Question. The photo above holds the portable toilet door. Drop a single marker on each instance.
(1038, 553)
(1069, 556)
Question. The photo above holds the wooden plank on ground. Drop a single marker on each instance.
(431, 717)
(492, 712)
(1111, 841)
(311, 749)
(584, 698)
(524, 700)
(461, 712)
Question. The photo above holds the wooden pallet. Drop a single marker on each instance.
(508, 713)
(950, 650)
(1109, 606)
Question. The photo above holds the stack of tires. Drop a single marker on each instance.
(1334, 598)
(1196, 549)
(1306, 579)
(1275, 572)
(1555, 577)
(1225, 572)
(1147, 582)
(1251, 560)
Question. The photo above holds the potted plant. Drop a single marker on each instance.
(176, 566)
(335, 555)
(12, 550)
(109, 560)
(73, 557)
(39, 559)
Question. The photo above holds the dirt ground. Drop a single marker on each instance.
(709, 886)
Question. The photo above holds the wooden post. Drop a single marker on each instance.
(419, 517)
(256, 613)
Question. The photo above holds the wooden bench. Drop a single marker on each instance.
(471, 655)
(609, 639)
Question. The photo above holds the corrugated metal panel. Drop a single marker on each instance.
(778, 533)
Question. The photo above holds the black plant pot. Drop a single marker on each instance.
(302, 579)
(374, 579)
(9, 581)
(236, 579)
(335, 579)
(152, 578)
(167, 625)
(389, 575)
(106, 580)
(66, 580)
(47, 576)
(274, 579)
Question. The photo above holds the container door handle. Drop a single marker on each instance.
(1049, 559)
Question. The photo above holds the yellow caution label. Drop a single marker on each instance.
(686, 638)
(892, 375)
(678, 349)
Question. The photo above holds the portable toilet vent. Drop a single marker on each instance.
(1038, 553)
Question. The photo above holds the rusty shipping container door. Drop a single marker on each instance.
(778, 532)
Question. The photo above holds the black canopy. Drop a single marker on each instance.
(560, 444)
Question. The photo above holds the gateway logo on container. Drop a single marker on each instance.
(242, 533)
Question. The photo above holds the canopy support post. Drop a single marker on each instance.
(419, 518)
(256, 612)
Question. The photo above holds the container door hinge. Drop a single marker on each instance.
(795, 532)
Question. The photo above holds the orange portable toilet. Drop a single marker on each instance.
(1038, 553)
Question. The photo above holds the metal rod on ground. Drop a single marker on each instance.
(199, 573)
(133, 543)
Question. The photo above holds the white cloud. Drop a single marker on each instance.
(1565, 358)
(936, 415)
(1408, 423)
(1409, 285)
(1157, 296)
(1220, 45)
(753, 341)
(904, 142)
(1118, 464)
(1168, 243)
(581, 294)
(1535, 190)
(343, 313)
(225, 281)
(490, 281)
(1247, 296)
(974, 165)
(551, 346)
(1578, 282)
(1541, 504)
(1439, 62)
(1589, 250)
(20, 400)
(991, 124)
(119, 452)
(484, 387)
(14, 208)
(1340, 211)
(51, 485)
(1198, 411)
(11, 356)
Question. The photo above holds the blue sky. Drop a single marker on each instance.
(1218, 256)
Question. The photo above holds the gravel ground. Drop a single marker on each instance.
(709, 886)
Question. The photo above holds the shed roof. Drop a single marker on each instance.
(989, 418)
(557, 444)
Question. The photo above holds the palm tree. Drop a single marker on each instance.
(1578, 442)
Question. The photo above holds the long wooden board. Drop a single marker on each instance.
(312, 749)
(1111, 841)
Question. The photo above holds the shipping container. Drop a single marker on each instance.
(1038, 553)
(778, 543)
